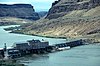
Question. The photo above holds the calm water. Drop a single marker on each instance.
(10, 38)
(88, 55)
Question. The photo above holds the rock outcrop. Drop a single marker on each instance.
(24, 11)
(61, 7)
(68, 18)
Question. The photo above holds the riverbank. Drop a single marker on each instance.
(72, 55)
(89, 38)
(4, 21)
(16, 30)
(86, 39)
(7, 23)
(40, 35)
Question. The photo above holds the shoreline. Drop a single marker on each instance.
(86, 39)
(38, 35)
(16, 32)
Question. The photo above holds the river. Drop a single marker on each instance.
(10, 38)
(87, 55)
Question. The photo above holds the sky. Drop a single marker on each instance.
(39, 5)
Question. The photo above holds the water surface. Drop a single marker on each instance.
(10, 38)
(87, 55)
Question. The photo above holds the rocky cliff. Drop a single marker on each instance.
(24, 11)
(69, 18)
(61, 7)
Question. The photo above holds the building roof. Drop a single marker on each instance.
(34, 41)
(20, 42)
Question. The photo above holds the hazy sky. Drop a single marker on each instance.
(39, 5)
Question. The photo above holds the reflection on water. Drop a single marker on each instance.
(29, 58)
(88, 55)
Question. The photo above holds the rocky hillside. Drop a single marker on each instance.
(69, 18)
(24, 11)
(61, 7)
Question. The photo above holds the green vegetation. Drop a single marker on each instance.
(11, 28)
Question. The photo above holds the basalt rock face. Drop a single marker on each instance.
(61, 7)
(24, 11)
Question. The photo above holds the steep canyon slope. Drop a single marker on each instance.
(69, 18)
